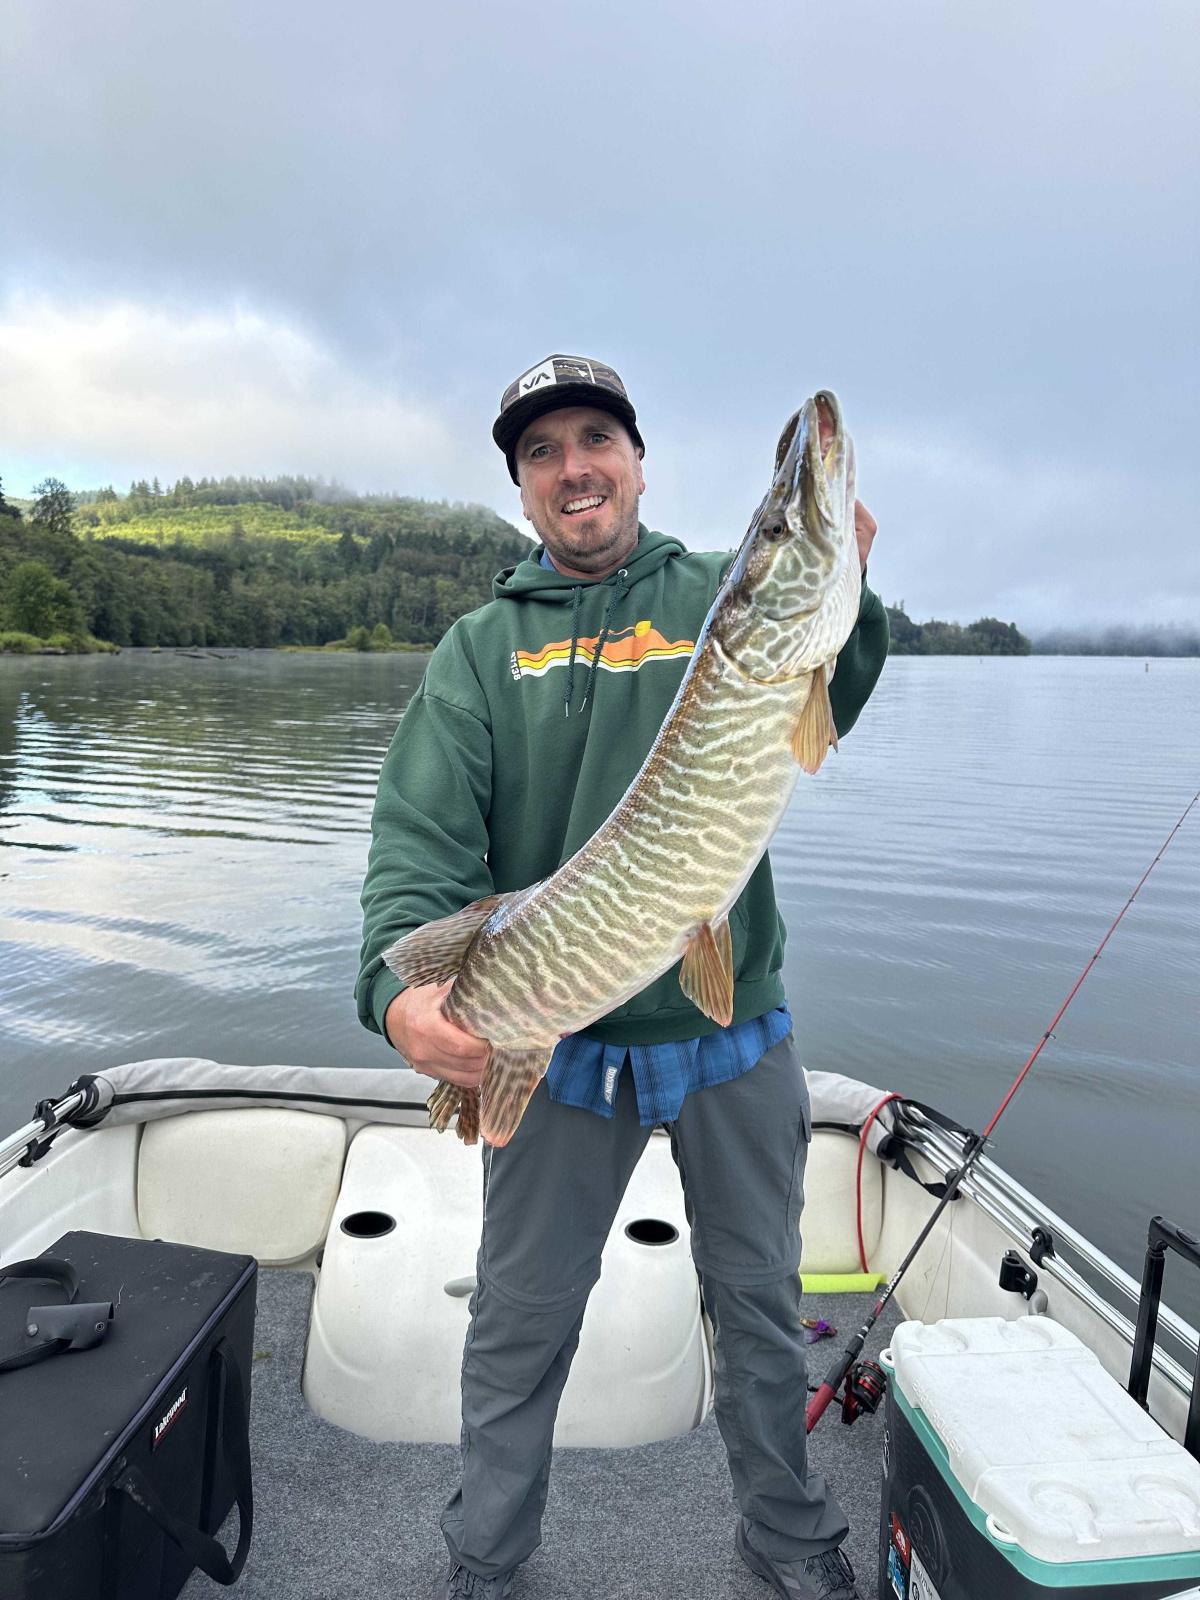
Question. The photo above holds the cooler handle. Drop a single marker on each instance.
(68, 1326)
(202, 1548)
(1164, 1236)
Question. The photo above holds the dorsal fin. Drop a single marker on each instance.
(435, 952)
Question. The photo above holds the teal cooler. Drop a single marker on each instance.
(1016, 1466)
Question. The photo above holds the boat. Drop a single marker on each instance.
(365, 1224)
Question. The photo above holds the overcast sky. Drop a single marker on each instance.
(282, 236)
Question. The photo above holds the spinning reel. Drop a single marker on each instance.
(866, 1385)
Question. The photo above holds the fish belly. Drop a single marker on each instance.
(675, 854)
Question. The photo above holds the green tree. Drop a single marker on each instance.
(54, 505)
(905, 633)
(381, 636)
(998, 638)
(5, 509)
(358, 638)
(37, 602)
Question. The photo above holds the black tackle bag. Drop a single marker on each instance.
(124, 1417)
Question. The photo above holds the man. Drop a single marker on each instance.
(534, 714)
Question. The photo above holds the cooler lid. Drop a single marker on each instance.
(1042, 1439)
(66, 1418)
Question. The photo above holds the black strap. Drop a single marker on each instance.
(894, 1150)
(200, 1548)
(49, 1269)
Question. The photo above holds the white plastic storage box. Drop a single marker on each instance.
(1015, 1466)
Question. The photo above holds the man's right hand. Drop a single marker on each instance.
(431, 1044)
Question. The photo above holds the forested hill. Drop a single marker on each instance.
(987, 637)
(279, 561)
(244, 562)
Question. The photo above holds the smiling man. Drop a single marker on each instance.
(580, 476)
(534, 715)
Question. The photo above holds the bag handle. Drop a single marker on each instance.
(201, 1548)
(69, 1325)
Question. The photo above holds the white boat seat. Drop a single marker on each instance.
(830, 1241)
(260, 1181)
(391, 1307)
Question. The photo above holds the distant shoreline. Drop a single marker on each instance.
(235, 652)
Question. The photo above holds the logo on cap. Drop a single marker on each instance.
(560, 369)
(535, 377)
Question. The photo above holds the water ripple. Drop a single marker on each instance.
(187, 841)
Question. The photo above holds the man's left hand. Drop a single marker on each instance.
(865, 528)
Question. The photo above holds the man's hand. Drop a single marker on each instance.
(431, 1044)
(865, 528)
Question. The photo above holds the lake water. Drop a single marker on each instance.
(182, 842)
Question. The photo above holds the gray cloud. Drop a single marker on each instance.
(978, 224)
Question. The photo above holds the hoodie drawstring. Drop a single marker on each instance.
(576, 596)
(619, 591)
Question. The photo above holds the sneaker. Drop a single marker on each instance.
(463, 1584)
(828, 1576)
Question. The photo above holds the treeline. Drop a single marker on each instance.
(251, 562)
(987, 637)
(1118, 641)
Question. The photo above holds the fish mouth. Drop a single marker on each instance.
(808, 468)
(825, 461)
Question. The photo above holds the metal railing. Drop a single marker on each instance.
(1022, 1216)
(51, 1120)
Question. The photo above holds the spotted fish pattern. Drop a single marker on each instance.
(656, 882)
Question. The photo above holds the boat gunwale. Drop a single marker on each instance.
(1018, 1213)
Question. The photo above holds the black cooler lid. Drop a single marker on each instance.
(65, 1418)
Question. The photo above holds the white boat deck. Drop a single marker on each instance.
(339, 1517)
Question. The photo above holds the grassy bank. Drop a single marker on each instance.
(15, 643)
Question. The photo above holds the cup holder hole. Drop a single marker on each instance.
(367, 1224)
(651, 1230)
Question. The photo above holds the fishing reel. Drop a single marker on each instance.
(866, 1385)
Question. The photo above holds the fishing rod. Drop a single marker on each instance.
(871, 1384)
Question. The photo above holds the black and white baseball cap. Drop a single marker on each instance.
(555, 382)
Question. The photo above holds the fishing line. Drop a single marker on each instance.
(838, 1373)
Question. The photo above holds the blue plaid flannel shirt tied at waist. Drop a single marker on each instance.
(585, 1072)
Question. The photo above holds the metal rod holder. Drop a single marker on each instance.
(1163, 1236)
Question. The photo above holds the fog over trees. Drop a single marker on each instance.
(1118, 641)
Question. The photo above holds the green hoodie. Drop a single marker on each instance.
(514, 750)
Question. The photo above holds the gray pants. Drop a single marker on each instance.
(550, 1197)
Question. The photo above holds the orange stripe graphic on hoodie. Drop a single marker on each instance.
(625, 651)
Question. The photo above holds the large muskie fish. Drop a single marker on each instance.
(656, 882)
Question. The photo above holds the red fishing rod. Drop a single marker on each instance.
(865, 1391)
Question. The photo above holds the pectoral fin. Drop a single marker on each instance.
(435, 952)
(509, 1080)
(815, 731)
(706, 976)
(449, 1100)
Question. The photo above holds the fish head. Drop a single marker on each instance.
(800, 556)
